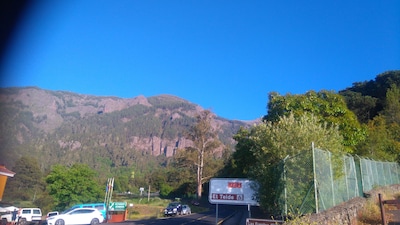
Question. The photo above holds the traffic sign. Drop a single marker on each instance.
(232, 191)
(117, 206)
(233, 197)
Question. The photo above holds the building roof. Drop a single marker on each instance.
(5, 172)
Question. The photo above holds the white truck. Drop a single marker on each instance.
(25, 216)
(6, 218)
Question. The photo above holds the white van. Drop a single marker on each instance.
(24, 216)
(29, 215)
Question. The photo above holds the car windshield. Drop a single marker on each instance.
(67, 211)
(173, 204)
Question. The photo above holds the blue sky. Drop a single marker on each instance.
(222, 55)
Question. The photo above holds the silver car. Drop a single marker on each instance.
(186, 210)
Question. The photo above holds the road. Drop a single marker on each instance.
(227, 215)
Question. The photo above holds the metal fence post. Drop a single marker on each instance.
(355, 177)
(315, 179)
(382, 209)
(346, 177)
(332, 185)
(284, 178)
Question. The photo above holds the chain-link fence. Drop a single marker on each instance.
(317, 180)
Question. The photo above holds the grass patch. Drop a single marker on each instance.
(371, 213)
(144, 211)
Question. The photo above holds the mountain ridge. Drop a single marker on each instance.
(65, 127)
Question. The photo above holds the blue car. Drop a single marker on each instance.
(172, 209)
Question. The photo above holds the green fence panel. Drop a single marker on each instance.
(317, 180)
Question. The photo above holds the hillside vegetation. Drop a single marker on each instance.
(103, 132)
(144, 141)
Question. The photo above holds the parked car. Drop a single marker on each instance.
(8, 214)
(186, 210)
(172, 209)
(24, 216)
(100, 206)
(50, 214)
(89, 216)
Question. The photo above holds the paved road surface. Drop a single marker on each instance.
(227, 215)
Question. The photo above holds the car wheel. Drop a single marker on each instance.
(94, 221)
(4, 222)
(22, 221)
(59, 222)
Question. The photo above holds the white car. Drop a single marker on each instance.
(50, 214)
(186, 210)
(88, 216)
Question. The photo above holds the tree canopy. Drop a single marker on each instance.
(368, 98)
(72, 185)
(260, 150)
(205, 141)
(327, 106)
(27, 182)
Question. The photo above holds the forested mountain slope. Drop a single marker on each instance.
(64, 127)
(368, 98)
(106, 132)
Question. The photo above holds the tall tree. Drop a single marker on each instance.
(328, 106)
(241, 160)
(27, 183)
(260, 150)
(392, 105)
(381, 143)
(205, 141)
(363, 106)
(71, 185)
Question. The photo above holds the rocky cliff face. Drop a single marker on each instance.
(71, 126)
(157, 146)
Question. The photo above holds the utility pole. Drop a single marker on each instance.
(108, 196)
(148, 195)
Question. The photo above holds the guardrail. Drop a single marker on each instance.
(395, 202)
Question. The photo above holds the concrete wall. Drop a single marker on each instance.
(347, 212)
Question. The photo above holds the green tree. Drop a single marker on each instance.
(367, 99)
(182, 170)
(205, 141)
(240, 161)
(363, 106)
(380, 143)
(71, 185)
(45, 202)
(27, 183)
(391, 113)
(392, 105)
(328, 106)
(260, 150)
(383, 142)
